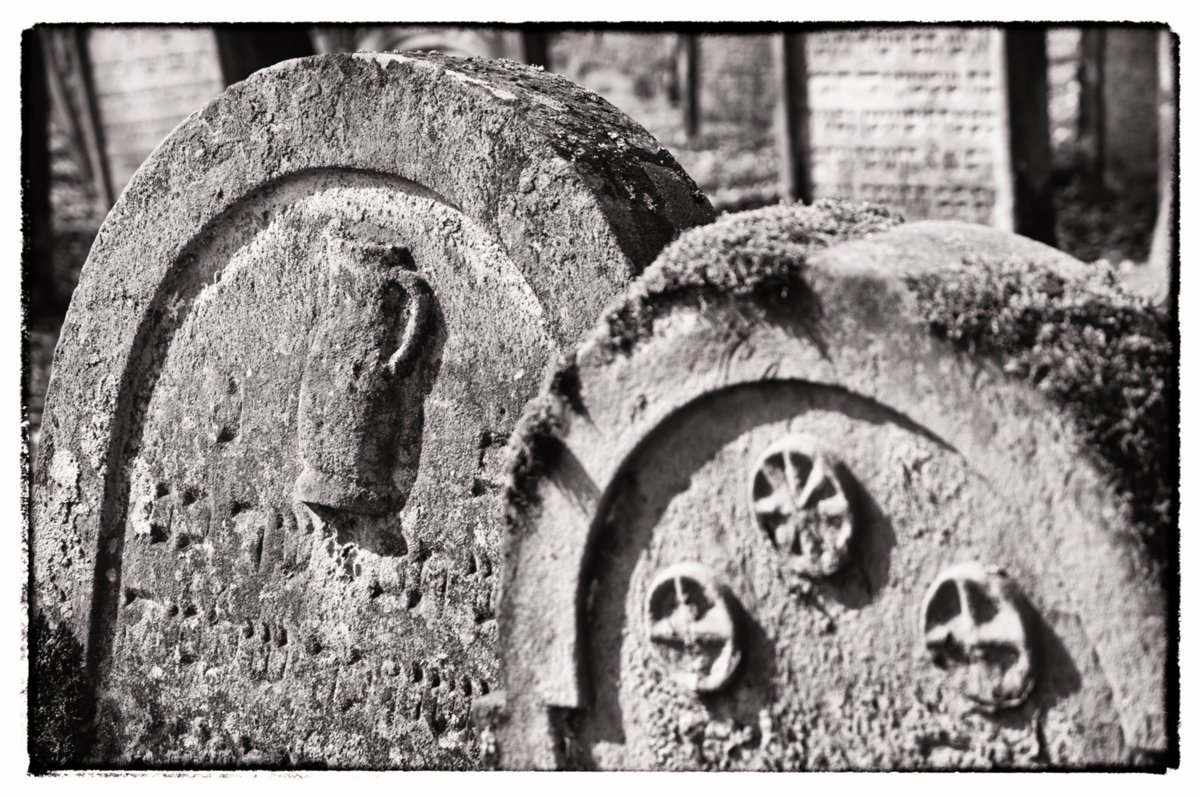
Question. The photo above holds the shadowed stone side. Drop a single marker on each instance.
(59, 698)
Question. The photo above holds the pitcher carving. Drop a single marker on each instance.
(355, 398)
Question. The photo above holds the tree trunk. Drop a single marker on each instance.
(536, 47)
(792, 118)
(691, 84)
(1029, 133)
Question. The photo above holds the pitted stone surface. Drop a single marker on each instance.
(800, 505)
(974, 628)
(218, 618)
(769, 325)
(690, 624)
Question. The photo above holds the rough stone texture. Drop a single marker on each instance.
(1102, 354)
(638, 456)
(212, 618)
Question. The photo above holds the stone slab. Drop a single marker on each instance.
(265, 528)
(773, 375)
(912, 118)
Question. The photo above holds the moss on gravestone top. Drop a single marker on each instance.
(1101, 354)
(759, 252)
(534, 449)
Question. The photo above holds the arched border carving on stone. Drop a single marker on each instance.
(849, 324)
(579, 196)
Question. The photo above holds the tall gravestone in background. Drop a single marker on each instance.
(147, 80)
(920, 121)
(766, 516)
(118, 91)
(266, 519)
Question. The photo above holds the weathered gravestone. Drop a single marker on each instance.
(922, 121)
(767, 516)
(266, 522)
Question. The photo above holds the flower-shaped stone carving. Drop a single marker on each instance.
(691, 627)
(798, 502)
(974, 629)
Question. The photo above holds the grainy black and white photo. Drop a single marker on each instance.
(601, 396)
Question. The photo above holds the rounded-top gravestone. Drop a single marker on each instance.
(266, 516)
(824, 492)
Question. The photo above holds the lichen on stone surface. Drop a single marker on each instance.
(584, 128)
(1103, 355)
(761, 252)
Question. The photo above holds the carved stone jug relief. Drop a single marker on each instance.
(281, 396)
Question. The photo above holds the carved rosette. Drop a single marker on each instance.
(769, 405)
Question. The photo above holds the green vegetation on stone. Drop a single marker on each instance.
(1100, 353)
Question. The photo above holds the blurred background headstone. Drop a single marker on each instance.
(919, 119)
(146, 81)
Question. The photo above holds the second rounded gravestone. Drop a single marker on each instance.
(824, 492)
(267, 510)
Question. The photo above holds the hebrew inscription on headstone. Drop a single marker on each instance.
(912, 118)
(766, 516)
(269, 516)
